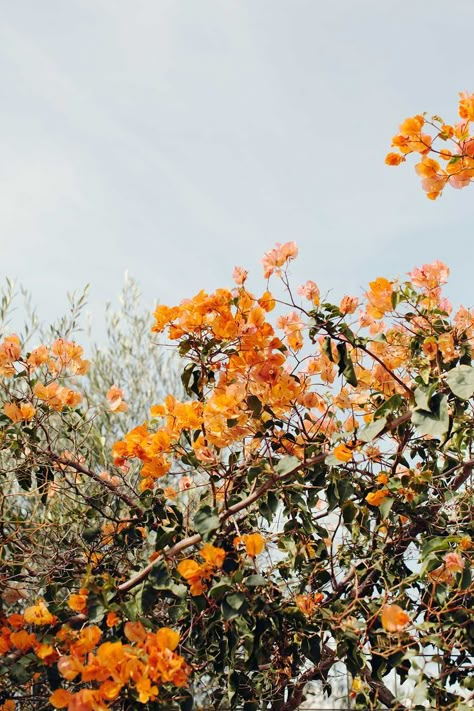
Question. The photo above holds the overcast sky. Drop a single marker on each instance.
(177, 138)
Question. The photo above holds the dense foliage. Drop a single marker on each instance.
(307, 503)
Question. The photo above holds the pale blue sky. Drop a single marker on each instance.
(176, 139)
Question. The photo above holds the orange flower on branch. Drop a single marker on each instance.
(10, 352)
(394, 158)
(116, 401)
(254, 543)
(343, 453)
(78, 601)
(459, 170)
(379, 297)
(57, 396)
(276, 257)
(22, 413)
(195, 573)
(466, 106)
(375, 498)
(394, 619)
(38, 614)
(308, 603)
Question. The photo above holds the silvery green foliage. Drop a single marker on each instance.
(131, 358)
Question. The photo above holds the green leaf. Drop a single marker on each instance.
(370, 431)
(434, 422)
(236, 600)
(461, 381)
(164, 536)
(346, 367)
(233, 606)
(95, 609)
(269, 506)
(423, 395)
(385, 507)
(287, 464)
(393, 403)
(254, 405)
(349, 512)
(466, 579)
(254, 581)
(326, 348)
(311, 648)
(206, 521)
(159, 580)
(23, 670)
(220, 589)
(420, 694)
(435, 544)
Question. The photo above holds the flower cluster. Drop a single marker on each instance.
(454, 162)
(143, 663)
(196, 573)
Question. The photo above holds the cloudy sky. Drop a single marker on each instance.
(177, 138)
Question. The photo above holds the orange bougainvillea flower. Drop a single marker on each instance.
(239, 275)
(56, 396)
(343, 453)
(134, 631)
(276, 257)
(38, 614)
(69, 667)
(195, 574)
(394, 619)
(60, 698)
(308, 603)
(213, 555)
(192, 572)
(454, 562)
(23, 640)
(10, 352)
(78, 601)
(112, 619)
(116, 401)
(348, 304)
(266, 301)
(379, 297)
(310, 291)
(394, 158)
(37, 357)
(466, 106)
(254, 544)
(167, 638)
(9, 705)
(375, 498)
(47, 653)
(24, 412)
